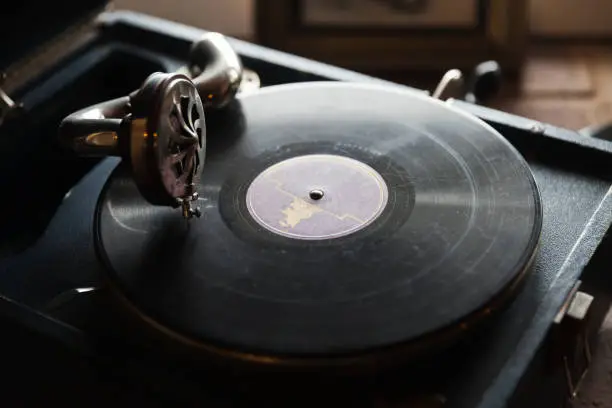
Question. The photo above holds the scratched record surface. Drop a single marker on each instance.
(340, 222)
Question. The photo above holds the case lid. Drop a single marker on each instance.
(26, 24)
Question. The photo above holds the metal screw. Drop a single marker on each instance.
(537, 128)
(316, 194)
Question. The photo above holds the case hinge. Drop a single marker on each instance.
(42, 59)
(8, 107)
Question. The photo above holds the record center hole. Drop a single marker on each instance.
(316, 194)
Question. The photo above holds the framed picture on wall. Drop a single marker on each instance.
(397, 35)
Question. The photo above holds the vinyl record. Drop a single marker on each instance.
(339, 220)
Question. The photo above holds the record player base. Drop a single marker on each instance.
(502, 367)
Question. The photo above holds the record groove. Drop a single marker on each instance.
(460, 225)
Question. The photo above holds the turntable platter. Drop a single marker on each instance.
(337, 219)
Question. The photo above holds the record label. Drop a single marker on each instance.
(316, 197)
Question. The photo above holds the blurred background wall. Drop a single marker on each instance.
(231, 17)
(590, 18)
